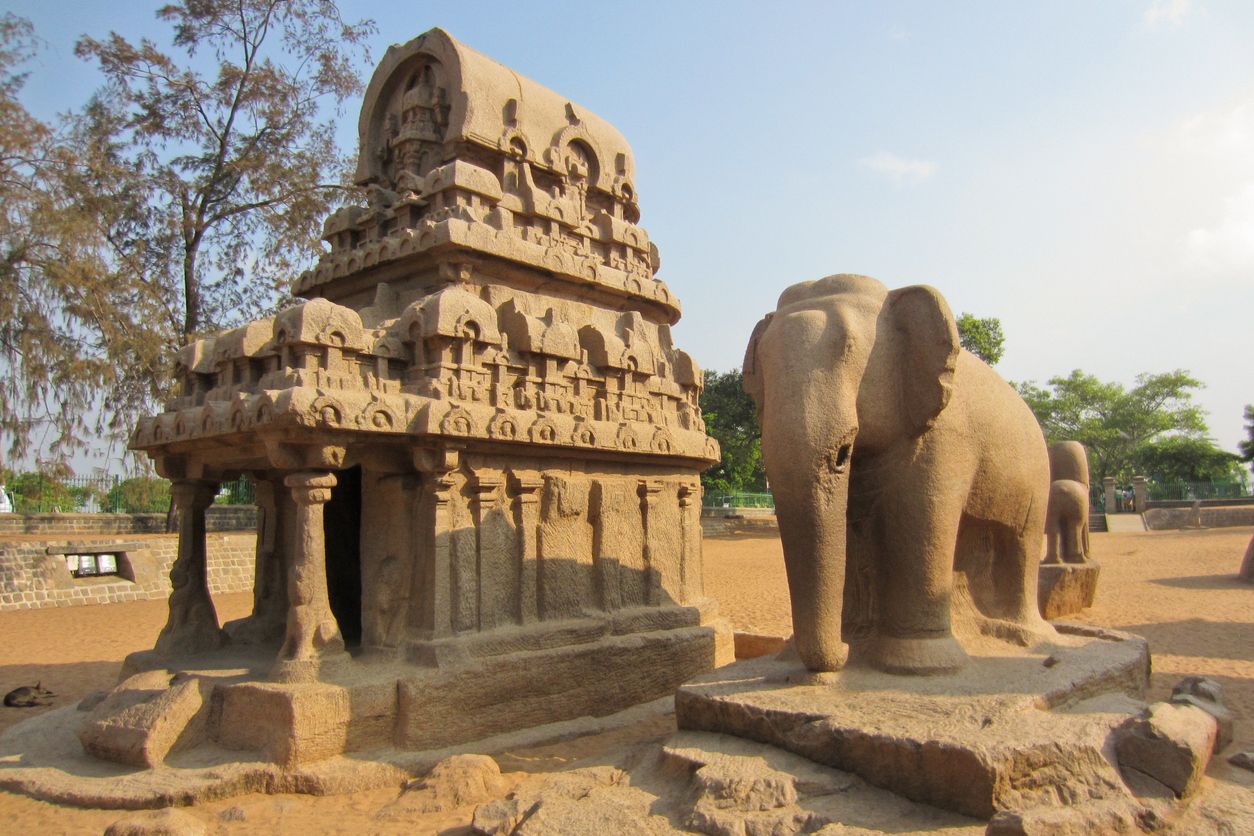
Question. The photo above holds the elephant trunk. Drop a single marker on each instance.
(812, 524)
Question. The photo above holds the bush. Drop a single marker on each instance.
(140, 495)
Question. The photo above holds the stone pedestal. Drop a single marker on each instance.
(997, 735)
(1066, 588)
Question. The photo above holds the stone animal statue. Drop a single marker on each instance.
(903, 460)
(1247, 563)
(27, 696)
(1067, 517)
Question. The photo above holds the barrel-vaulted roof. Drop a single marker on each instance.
(490, 105)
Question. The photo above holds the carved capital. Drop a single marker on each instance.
(526, 487)
(310, 488)
(438, 460)
(285, 455)
(649, 491)
(193, 494)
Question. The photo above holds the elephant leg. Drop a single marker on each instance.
(1053, 536)
(1070, 540)
(1016, 576)
(917, 535)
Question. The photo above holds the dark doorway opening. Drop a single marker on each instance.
(341, 524)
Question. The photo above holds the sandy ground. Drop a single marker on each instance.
(1178, 589)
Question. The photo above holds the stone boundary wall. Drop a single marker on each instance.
(33, 573)
(1161, 519)
(731, 525)
(217, 518)
(1205, 503)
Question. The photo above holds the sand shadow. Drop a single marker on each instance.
(1198, 637)
(1232, 581)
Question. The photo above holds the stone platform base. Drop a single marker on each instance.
(1016, 729)
(1066, 588)
(216, 727)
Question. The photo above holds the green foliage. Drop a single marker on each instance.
(1125, 430)
(1182, 458)
(731, 418)
(982, 337)
(39, 493)
(140, 495)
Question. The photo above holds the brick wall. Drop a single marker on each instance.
(217, 518)
(30, 577)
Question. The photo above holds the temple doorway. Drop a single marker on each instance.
(342, 527)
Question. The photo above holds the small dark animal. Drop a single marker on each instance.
(28, 697)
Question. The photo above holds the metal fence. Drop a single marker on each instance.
(1197, 490)
(739, 500)
(32, 493)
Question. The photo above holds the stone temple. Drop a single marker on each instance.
(475, 447)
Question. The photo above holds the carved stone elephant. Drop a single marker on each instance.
(1067, 519)
(904, 460)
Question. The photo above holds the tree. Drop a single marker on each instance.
(1247, 447)
(46, 376)
(185, 201)
(1118, 426)
(731, 418)
(1183, 458)
(982, 337)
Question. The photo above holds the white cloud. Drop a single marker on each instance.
(1227, 247)
(1168, 12)
(898, 169)
(1225, 137)
(1215, 152)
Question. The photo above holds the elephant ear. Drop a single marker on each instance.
(927, 341)
(751, 370)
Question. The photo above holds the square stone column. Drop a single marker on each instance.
(1140, 494)
(313, 638)
(1108, 490)
(192, 626)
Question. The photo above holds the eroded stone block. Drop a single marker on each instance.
(1169, 743)
(146, 718)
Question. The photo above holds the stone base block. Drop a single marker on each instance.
(289, 724)
(146, 717)
(1066, 588)
(1004, 733)
(442, 708)
(471, 698)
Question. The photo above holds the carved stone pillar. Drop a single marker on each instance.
(527, 526)
(313, 636)
(650, 492)
(498, 575)
(692, 584)
(193, 623)
(1108, 489)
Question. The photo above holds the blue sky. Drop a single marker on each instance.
(1082, 170)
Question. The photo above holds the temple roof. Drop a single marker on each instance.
(489, 105)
